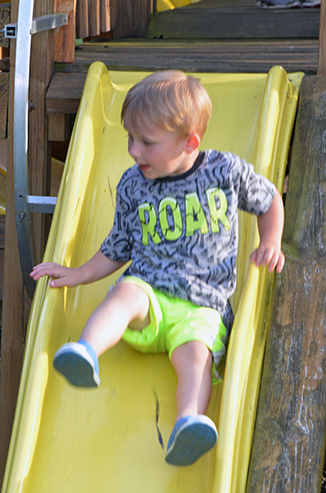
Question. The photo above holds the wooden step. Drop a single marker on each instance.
(218, 19)
(193, 56)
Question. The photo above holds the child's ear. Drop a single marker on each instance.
(192, 142)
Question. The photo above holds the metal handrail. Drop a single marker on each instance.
(26, 204)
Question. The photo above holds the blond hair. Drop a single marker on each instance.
(171, 100)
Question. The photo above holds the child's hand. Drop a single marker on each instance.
(62, 276)
(96, 268)
(268, 254)
(270, 226)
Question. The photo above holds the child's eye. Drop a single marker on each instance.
(147, 143)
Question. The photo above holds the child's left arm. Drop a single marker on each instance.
(270, 226)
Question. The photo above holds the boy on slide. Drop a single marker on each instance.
(176, 219)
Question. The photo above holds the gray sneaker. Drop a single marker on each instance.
(278, 4)
(287, 4)
(310, 3)
(74, 361)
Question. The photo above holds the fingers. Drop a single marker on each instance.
(57, 283)
(276, 262)
(262, 257)
(268, 256)
(50, 269)
(44, 269)
(280, 263)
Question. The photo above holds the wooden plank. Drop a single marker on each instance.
(3, 155)
(114, 15)
(124, 26)
(42, 65)
(4, 61)
(4, 19)
(66, 88)
(130, 17)
(59, 127)
(82, 30)
(2, 236)
(105, 17)
(289, 440)
(230, 23)
(4, 97)
(142, 10)
(322, 40)
(94, 18)
(202, 56)
(65, 92)
(66, 35)
(2, 252)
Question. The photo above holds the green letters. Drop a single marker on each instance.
(195, 216)
(217, 213)
(169, 210)
(148, 226)
(168, 233)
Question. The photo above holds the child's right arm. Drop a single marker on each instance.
(95, 269)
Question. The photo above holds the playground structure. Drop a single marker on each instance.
(296, 410)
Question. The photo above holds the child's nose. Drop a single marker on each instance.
(134, 150)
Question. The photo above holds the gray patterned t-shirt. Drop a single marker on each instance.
(181, 232)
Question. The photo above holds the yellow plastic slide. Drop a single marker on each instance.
(173, 4)
(112, 439)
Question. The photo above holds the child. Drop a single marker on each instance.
(176, 219)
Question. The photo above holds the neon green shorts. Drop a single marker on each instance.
(174, 322)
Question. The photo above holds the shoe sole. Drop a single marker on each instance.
(293, 6)
(195, 438)
(78, 369)
(265, 6)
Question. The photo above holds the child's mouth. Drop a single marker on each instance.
(143, 167)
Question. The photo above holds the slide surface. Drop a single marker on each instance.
(173, 4)
(111, 439)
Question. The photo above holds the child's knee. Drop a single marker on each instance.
(194, 353)
(135, 300)
(129, 292)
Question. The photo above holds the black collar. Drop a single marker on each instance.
(199, 159)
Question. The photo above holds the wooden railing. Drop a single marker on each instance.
(125, 18)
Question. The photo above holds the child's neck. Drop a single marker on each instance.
(195, 165)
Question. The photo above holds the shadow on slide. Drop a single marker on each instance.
(111, 439)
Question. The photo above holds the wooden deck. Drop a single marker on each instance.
(234, 19)
(192, 56)
(209, 36)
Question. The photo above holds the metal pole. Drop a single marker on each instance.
(24, 203)
(20, 147)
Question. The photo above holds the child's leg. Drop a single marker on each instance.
(192, 362)
(194, 434)
(127, 305)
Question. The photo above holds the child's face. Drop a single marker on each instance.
(158, 152)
